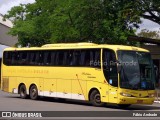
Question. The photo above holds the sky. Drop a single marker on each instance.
(6, 5)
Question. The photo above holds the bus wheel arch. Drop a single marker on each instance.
(33, 91)
(22, 90)
(95, 97)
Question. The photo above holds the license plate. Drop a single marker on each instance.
(139, 101)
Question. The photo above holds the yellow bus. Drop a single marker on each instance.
(98, 73)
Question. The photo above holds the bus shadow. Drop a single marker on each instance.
(85, 103)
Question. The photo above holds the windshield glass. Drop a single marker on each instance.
(136, 70)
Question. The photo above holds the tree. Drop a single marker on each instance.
(99, 21)
(147, 9)
(149, 34)
(150, 9)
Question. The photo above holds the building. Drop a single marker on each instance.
(153, 45)
(5, 38)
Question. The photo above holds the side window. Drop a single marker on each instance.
(70, 57)
(47, 58)
(90, 57)
(110, 67)
(40, 57)
(85, 58)
(76, 58)
(14, 58)
(7, 57)
(59, 58)
(32, 58)
(95, 58)
(21, 58)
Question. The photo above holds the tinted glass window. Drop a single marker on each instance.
(110, 67)
(84, 57)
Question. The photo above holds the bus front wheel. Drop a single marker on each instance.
(95, 98)
(33, 92)
(23, 92)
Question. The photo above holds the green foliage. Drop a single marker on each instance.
(149, 34)
(52, 21)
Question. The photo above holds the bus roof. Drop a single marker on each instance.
(79, 46)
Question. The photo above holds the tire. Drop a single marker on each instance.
(33, 92)
(95, 98)
(124, 105)
(23, 92)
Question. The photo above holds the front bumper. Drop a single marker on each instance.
(135, 100)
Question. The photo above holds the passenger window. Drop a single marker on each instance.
(47, 58)
(76, 58)
(87, 58)
(14, 58)
(90, 57)
(95, 58)
(59, 58)
(32, 58)
(40, 58)
(70, 57)
(7, 58)
(22, 59)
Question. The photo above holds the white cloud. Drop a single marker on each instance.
(6, 5)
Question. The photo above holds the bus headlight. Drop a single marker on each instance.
(151, 95)
(125, 94)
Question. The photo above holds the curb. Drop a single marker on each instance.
(157, 101)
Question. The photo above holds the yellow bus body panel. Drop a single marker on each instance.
(69, 82)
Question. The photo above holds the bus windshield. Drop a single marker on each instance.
(136, 70)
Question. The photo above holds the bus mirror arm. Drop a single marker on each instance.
(119, 67)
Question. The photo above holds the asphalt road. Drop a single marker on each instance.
(12, 102)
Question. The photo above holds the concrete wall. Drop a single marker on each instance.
(5, 38)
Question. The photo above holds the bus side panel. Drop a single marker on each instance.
(64, 88)
(101, 87)
(50, 87)
(5, 84)
(79, 89)
(95, 79)
(13, 87)
(9, 84)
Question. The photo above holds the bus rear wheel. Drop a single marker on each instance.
(23, 92)
(95, 98)
(33, 92)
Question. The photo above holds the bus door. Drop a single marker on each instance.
(111, 74)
